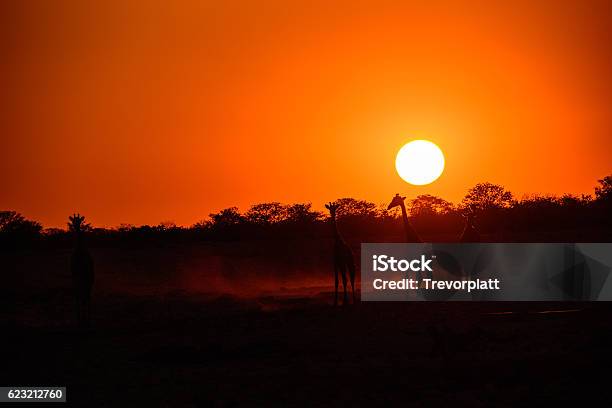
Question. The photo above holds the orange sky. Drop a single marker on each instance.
(142, 111)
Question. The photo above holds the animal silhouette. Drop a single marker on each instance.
(82, 269)
(343, 258)
(410, 233)
(470, 232)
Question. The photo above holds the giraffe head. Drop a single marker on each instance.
(332, 207)
(397, 201)
(76, 222)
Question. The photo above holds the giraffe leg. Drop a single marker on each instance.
(351, 270)
(79, 306)
(77, 309)
(345, 297)
(83, 310)
(88, 309)
(336, 283)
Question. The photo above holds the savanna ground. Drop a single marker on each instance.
(227, 325)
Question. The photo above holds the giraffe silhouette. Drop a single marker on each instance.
(410, 233)
(82, 269)
(343, 258)
(470, 232)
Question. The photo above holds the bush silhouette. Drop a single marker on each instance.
(498, 215)
(486, 196)
(17, 231)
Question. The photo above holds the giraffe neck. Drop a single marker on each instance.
(410, 234)
(79, 239)
(337, 235)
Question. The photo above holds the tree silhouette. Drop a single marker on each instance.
(536, 202)
(350, 207)
(16, 230)
(496, 210)
(12, 222)
(571, 201)
(603, 192)
(224, 218)
(486, 196)
(266, 213)
(427, 204)
(302, 213)
(167, 226)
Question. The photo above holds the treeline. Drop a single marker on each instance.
(498, 215)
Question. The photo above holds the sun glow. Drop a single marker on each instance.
(419, 162)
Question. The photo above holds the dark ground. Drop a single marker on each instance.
(176, 348)
(226, 353)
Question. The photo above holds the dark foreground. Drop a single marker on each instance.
(190, 351)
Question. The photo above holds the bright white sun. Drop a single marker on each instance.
(419, 162)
